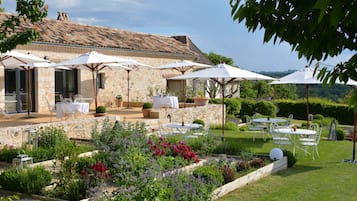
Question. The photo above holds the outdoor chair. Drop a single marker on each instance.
(310, 138)
(312, 142)
(202, 131)
(51, 108)
(256, 128)
(278, 138)
(77, 98)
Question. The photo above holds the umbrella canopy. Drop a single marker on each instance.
(223, 74)
(129, 66)
(13, 59)
(182, 66)
(306, 77)
(94, 62)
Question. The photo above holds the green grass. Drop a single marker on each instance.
(325, 178)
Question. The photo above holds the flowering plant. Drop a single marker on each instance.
(162, 146)
(94, 175)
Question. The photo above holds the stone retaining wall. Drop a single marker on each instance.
(76, 128)
(210, 114)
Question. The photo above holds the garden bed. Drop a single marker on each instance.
(251, 177)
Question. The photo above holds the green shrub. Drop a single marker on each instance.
(233, 106)
(100, 109)
(229, 147)
(41, 154)
(48, 137)
(228, 173)
(340, 134)
(147, 105)
(189, 100)
(75, 190)
(318, 116)
(83, 163)
(291, 157)
(7, 154)
(210, 174)
(199, 121)
(266, 108)
(28, 180)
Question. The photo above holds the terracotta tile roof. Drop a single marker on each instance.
(69, 33)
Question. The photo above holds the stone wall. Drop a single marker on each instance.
(210, 114)
(77, 129)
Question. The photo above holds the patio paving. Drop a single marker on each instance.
(133, 114)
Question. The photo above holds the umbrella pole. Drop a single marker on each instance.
(28, 93)
(307, 104)
(128, 80)
(222, 137)
(354, 139)
(95, 89)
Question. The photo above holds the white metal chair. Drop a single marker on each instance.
(279, 138)
(312, 142)
(51, 108)
(256, 128)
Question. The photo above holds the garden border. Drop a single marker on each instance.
(251, 177)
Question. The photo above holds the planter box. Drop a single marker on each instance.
(251, 177)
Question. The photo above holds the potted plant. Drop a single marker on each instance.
(119, 100)
(100, 111)
(200, 99)
(147, 108)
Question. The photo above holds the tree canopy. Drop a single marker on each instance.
(316, 29)
(12, 33)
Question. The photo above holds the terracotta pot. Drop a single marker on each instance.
(201, 101)
(146, 113)
(99, 114)
(119, 103)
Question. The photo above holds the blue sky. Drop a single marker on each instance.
(207, 23)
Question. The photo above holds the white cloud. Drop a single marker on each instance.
(62, 4)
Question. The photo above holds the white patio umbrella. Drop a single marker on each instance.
(183, 66)
(223, 74)
(94, 62)
(13, 59)
(306, 77)
(129, 66)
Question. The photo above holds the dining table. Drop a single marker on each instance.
(295, 134)
(63, 108)
(165, 101)
(182, 127)
(269, 120)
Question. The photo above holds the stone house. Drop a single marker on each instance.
(62, 39)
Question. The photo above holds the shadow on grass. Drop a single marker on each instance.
(248, 142)
(298, 169)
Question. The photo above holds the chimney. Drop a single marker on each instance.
(62, 16)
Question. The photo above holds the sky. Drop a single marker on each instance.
(208, 24)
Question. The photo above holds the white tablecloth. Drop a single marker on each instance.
(183, 128)
(165, 101)
(70, 108)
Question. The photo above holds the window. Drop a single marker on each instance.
(100, 80)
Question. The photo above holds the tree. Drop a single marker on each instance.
(13, 32)
(218, 59)
(212, 88)
(316, 29)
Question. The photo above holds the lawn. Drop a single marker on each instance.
(325, 178)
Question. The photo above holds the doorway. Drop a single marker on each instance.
(16, 90)
(66, 83)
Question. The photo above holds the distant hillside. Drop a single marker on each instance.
(335, 93)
